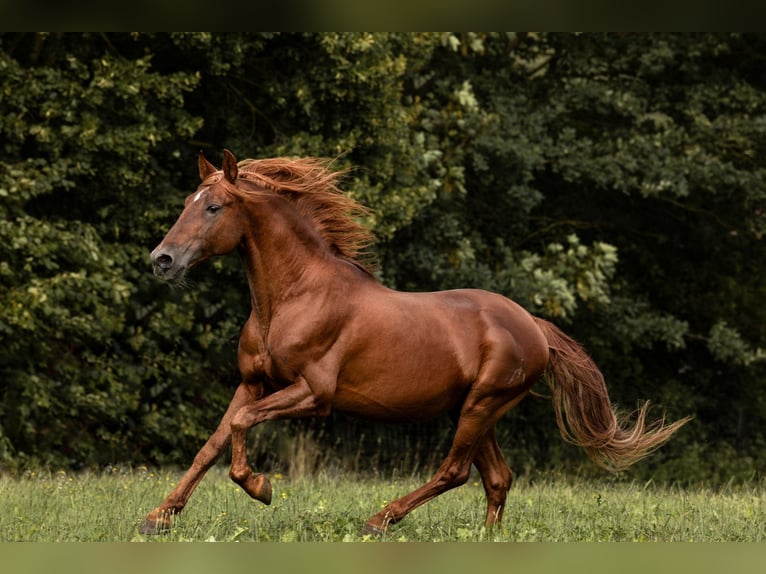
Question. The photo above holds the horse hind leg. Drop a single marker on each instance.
(495, 475)
(502, 383)
(484, 404)
(453, 472)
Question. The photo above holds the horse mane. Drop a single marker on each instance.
(312, 187)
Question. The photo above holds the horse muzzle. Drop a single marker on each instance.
(166, 266)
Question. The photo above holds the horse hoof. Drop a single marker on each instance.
(259, 487)
(373, 530)
(156, 522)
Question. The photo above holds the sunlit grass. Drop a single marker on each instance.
(109, 506)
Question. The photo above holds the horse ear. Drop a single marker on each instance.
(230, 169)
(205, 167)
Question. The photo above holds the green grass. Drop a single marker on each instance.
(110, 505)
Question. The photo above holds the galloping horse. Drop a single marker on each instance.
(324, 334)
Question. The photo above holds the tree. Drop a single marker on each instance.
(89, 139)
(610, 182)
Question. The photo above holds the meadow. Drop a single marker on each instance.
(332, 507)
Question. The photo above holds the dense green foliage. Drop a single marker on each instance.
(612, 183)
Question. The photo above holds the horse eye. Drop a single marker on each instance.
(212, 208)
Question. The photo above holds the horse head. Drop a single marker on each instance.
(209, 224)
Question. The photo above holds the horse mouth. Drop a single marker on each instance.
(174, 274)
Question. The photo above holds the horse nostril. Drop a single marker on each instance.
(164, 261)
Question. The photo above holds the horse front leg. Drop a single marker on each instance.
(158, 520)
(296, 400)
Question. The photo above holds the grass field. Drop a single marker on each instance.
(109, 506)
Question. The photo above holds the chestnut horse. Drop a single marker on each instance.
(324, 334)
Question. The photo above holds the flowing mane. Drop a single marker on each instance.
(310, 185)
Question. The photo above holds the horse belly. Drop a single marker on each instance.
(386, 399)
(406, 374)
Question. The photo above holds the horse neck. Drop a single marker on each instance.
(280, 252)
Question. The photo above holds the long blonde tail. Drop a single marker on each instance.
(584, 414)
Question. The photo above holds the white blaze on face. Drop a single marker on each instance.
(200, 193)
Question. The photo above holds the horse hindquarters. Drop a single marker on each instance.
(503, 380)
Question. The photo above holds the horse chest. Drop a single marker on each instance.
(253, 357)
(254, 367)
(258, 363)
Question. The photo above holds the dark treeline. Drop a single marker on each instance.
(611, 183)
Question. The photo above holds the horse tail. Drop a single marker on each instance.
(584, 414)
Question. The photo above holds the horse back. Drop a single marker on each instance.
(413, 356)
